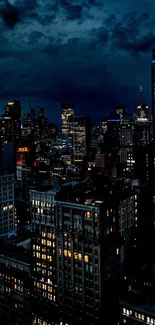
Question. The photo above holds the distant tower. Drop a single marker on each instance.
(67, 116)
(153, 90)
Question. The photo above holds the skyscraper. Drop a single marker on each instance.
(12, 121)
(153, 90)
(81, 137)
(67, 115)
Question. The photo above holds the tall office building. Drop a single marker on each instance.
(126, 139)
(75, 257)
(27, 125)
(112, 140)
(7, 213)
(12, 122)
(81, 137)
(67, 115)
(142, 109)
(153, 91)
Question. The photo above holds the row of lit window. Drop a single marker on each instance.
(77, 256)
(20, 282)
(43, 256)
(89, 214)
(38, 321)
(48, 235)
(42, 204)
(43, 241)
(138, 315)
(43, 286)
(7, 207)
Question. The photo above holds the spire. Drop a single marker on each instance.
(141, 95)
(141, 92)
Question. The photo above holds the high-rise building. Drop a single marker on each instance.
(67, 115)
(126, 139)
(153, 90)
(112, 140)
(142, 109)
(75, 257)
(81, 137)
(12, 122)
(7, 213)
(27, 125)
(15, 287)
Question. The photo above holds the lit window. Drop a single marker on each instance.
(49, 258)
(43, 234)
(124, 310)
(117, 251)
(43, 256)
(49, 296)
(38, 210)
(88, 214)
(69, 253)
(49, 289)
(65, 252)
(86, 258)
(107, 213)
(96, 215)
(49, 243)
(80, 256)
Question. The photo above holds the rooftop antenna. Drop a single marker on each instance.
(141, 95)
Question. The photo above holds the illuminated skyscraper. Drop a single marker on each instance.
(142, 109)
(153, 91)
(12, 122)
(67, 115)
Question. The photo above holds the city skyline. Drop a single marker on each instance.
(67, 53)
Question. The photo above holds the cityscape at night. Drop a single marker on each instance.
(77, 162)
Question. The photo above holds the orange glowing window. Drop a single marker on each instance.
(86, 258)
(24, 149)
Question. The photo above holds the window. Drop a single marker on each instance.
(86, 258)
(43, 256)
(80, 256)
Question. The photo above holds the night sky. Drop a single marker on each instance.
(90, 52)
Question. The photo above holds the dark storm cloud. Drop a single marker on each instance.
(129, 35)
(72, 11)
(10, 15)
(66, 50)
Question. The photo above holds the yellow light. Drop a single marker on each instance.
(86, 258)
